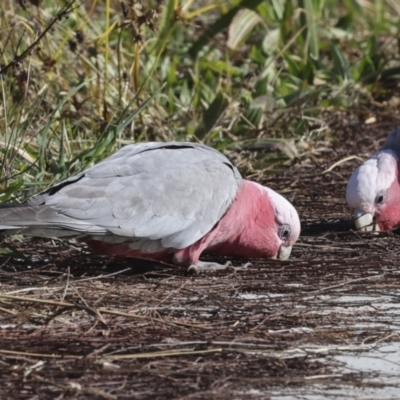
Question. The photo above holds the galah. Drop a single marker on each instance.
(373, 191)
(163, 201)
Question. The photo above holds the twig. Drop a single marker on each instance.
(18, 58)
(8, 311)
(166, 353)
(346, 283)
(93, 278)
(336, 164)
(66, 285)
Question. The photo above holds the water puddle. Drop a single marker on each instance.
(366, 367)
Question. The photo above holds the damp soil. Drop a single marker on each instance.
(325, 324)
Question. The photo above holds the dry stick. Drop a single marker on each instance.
(94, 278)
(8, 311)
(155, 354)
(103, 310)
(17, 59)
(66, 285)
(323, 246)
(343, 160)
(344, 283)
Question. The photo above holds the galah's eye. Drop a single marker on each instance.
(379, 197)
(284, 231)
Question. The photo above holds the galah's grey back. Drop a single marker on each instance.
(165, 195)
(392, 142)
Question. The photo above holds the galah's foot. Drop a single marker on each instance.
(205, 266)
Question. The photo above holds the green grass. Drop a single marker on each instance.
(216, 72)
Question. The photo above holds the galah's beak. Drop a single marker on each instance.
(284, 252)
(365, 222)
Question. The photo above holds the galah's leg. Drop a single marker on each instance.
(204, 266)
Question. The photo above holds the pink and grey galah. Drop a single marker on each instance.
(373, 191)
(162, 201)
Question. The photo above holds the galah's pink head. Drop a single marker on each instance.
(273, 225)
(373, 192)
(287, 224)
(260, 224)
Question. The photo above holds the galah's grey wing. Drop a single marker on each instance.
(392, 142)
(172, 193)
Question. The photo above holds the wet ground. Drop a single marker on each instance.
(323, 325)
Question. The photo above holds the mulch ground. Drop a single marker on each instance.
(74, 325)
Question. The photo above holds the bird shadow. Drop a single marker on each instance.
(94, 264)
(324, 227)
(339, 226)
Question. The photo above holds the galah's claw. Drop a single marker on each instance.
(205, 266)
(247, 265)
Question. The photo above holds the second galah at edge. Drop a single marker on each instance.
(373, 191)
(163, 201)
